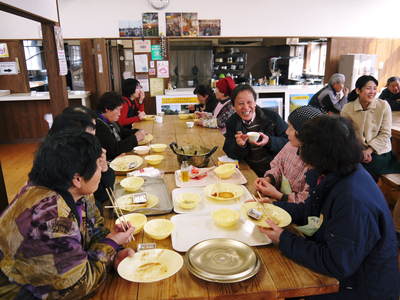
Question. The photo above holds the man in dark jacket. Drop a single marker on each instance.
(251, 118)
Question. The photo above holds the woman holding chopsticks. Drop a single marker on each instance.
(53, 243)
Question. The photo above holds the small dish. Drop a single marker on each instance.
(158, 147)
(141, 150)
(132, 184)
(226, 217)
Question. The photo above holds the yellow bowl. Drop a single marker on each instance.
(183, 116)
(149, 117)
(153, 159)
(132, 184)
(159, 229)
(226, 217)
(188, 200)
(158, 147)
(136, 220)
(225, 171)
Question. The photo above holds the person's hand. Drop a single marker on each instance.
(273, 233)
(266, 188)
(200, 114)
(345, 91)
(140, 134)
(141, 96)
(120, 236)
(241, 139)
(198, 122)
(367, 155)
(141, 115)
(121, 255)
(264, 140)
(191, 107)
(103, 160)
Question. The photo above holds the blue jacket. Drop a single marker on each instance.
(356, 242)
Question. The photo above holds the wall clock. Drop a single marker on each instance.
(159, 4)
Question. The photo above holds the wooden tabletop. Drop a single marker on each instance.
(278, 278)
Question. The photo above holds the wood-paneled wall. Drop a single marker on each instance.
(102, 69)
(388, 51)
(89, 69)
(15, 83)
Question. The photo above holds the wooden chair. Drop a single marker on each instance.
(390, 186)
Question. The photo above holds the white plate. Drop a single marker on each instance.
(155, 264)
(192, 229)
(206, 205)
(237, 178)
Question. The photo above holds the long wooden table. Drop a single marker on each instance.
(278, 278)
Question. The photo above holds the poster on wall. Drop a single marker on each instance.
(152, 71)
(156, 87)
(156, 53)
(209, 27)
(8, 68)
(141, 65)
(141, 45)
(144, 82)
(173, 24)
(162, 69)
(150, 24)
(190, 24)
(3, 50)
(130, 28)
(62, 61)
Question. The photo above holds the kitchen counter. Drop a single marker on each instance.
(284, 98)
(83, 95)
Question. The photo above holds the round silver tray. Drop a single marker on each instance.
(222, 260)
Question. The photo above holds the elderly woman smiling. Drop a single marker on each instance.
(373, 118)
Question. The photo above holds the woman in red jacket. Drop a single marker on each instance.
(133, 106)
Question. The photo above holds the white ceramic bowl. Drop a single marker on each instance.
(142, 150)
(159, 229)
(132, 184)
(253, 136)
(136, 220)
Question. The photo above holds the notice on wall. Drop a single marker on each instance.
(144, 81)
(62, 61)
(152, 71)
(141, 65)
(141, 45)
(156, 87)
(100, 63)
(3, 50)
(162, 69)
(8, 68)
(156, 52)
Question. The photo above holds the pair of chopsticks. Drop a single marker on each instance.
(258, 200)
(118, 210)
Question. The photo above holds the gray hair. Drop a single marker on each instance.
(337, 78)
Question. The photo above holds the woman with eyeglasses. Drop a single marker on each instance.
(133, 103)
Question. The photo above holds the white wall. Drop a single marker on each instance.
(326, 18)
(43, 8)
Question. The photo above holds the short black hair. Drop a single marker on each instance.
(392, 79)
(129, 86)
(337, 152)
(72, 120)
(110, 101)
(240, 88)
(80, 108)
(63, 155)
(363, 80)
(203, 90)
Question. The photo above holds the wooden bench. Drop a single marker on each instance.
(390, 186)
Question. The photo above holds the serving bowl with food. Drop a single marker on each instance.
(197, 156)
